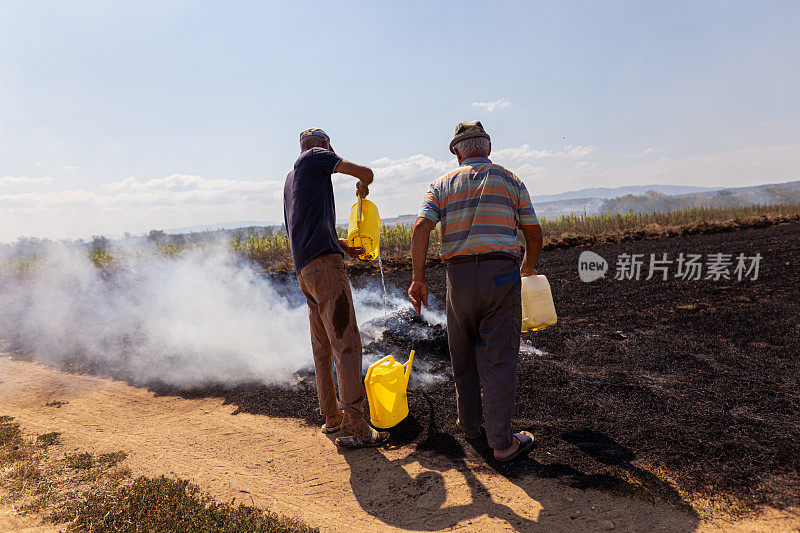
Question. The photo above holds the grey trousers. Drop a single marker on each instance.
(484, 320)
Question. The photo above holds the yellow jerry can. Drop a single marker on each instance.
(365, 229)
(387, 383)
(538, 311)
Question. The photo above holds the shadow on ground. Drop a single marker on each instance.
(385, 488)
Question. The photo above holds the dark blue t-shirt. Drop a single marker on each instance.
(308, 206)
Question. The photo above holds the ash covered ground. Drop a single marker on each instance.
(641, 387)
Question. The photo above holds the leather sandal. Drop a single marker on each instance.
(523, 449)
(376, 438)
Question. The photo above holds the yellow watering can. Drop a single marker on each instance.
(365, 229)
(386, 384)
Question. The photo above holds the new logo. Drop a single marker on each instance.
(591, 266)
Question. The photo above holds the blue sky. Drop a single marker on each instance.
(129, 116)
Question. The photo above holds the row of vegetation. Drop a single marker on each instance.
(271, 249)
(91, 492)
(784, 194)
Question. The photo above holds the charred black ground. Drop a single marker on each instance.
(697, 379)
(644, 386)
(694, 380)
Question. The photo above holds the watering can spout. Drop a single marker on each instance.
(407, 366)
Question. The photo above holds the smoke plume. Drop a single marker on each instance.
(204, 317)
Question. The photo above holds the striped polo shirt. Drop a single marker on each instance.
(479, 205)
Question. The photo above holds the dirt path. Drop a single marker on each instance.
(293, 469)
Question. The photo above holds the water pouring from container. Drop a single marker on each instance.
(364, 231)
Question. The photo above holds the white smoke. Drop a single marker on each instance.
(205, 317)
(527, 349)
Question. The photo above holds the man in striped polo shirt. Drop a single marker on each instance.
(480, 206)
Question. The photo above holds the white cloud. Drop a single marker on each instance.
(138, 205)
(491, 106)
(643, 153)
(411, 168)
(734, 168)
(400, 183)
(526, 153)
(69, 167)
(530, 171)
(180, 185)
(24, 180)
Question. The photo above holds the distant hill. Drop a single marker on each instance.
(221, 226)
(616, 192)
(402, 220)
(640, 198)
(770, 194)
(578, 206)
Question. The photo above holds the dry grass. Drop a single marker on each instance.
(49, 439)
(92, 493)
(272, 251)
(166, 504)
(607, 223)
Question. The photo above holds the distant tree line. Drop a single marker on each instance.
(652, 201)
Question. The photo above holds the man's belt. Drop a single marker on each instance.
(477, 258)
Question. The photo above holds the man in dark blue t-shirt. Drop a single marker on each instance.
(317, 252)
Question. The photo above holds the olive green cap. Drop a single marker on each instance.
(468, 130)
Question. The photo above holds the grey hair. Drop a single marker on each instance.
(473, 147)
(313, 141)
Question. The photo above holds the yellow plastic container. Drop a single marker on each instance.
(387, 384)
(365, 229)
(538, 310)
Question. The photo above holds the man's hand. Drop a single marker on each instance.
(418, 291)
(527, 270)
(352, 251)
(362, 189)
(533, 247)
(418, 294)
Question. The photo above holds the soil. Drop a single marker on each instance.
(293, 469)
(656, 404)
(679, 391)
(694, 380)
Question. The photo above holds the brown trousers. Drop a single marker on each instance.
(335, 338)
(484, 320)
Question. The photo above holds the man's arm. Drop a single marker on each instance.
(364, 175)
(533, 247)
(420, 239)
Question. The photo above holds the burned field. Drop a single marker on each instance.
(642, 387)
(696, 381)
